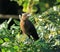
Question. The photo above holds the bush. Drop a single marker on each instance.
(48, 28)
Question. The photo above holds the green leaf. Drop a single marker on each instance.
(36, 2)
(8, 51)
(34, 9)
(16, 47)
(58, 0)
(20, 2)
(1, 41)
(25, 6)
(6, 39)
(17, 22)
(3, 50)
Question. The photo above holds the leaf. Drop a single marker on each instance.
(16, 22)
(58, 0)
(6, 39)
(1, 41)
(16, 47)
(34, 9)
(3, 50)
(8, 51)
(36, 2)
(25, 7)
(20, 2)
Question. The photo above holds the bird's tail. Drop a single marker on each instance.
(35, 37)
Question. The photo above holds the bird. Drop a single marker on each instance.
(27, 27)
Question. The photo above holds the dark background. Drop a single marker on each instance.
(8, 7)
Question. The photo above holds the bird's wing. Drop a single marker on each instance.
(31, 30)
(30, 27)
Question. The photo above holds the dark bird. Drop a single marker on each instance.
(27, 27)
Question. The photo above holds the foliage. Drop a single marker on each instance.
(36, 6)
(48, 28)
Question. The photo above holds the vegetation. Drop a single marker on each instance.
(36, 6)
(47, 25)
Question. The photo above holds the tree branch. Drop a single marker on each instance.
(9, 16)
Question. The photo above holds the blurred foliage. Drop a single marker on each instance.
(36, 6)
(48, 27)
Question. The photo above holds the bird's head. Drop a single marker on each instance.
(25, 16)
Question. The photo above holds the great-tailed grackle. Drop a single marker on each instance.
(27, 27)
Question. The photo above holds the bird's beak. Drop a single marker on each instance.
(19, 16)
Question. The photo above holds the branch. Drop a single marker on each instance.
(9, 16)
